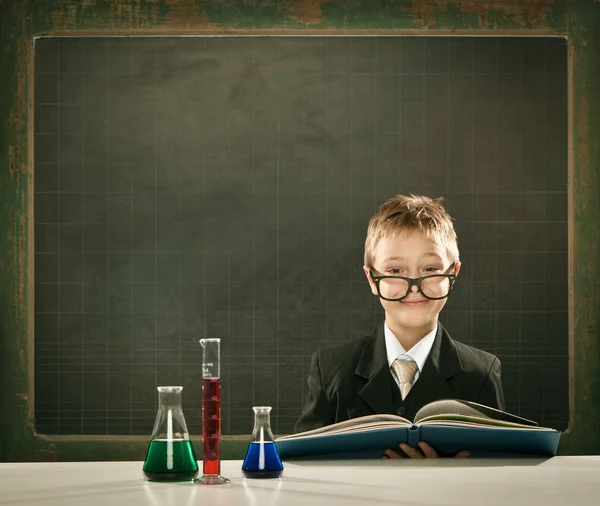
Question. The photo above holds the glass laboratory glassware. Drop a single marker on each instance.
(170, 454)
(211, 412)
(262, 459)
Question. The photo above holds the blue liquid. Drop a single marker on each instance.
(271, 463)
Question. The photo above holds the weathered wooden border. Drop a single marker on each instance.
(23, 20)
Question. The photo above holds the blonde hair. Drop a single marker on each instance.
(412, 213)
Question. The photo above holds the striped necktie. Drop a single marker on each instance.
(405, 372)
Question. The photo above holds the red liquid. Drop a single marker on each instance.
(211, 425)
(211, 467)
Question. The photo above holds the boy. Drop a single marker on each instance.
(411, 262)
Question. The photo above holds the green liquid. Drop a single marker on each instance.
(158, 467)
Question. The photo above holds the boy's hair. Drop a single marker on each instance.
(412, 213)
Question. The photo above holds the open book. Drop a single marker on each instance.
(448, 425)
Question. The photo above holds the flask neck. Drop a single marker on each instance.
(170, 422)
(169, 399)
(262, 426)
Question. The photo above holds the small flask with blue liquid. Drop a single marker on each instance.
(262, 459)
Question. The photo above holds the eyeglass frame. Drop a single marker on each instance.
(414, 281)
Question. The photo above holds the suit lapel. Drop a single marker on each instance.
(373, 366)
(442, 364)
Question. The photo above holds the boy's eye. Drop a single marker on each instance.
(431, 269)
(395, 271)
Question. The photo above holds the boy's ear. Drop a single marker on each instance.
(457, 268)
(367, 269)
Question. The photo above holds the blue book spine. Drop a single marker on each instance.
(414, 435)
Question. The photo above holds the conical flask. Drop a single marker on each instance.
(262, 459)
(170, 455)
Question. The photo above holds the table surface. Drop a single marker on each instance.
(556, 481)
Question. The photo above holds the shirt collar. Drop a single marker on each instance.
(418, 353)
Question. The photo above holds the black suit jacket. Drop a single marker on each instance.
(353, 379)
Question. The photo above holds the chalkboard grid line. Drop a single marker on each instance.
(349, 312)
(107, 383)
(49, 357)
(203, 324)
(472, 184)
(320, 73)
(82, 392)
(162, 192)
(132, 209)
(400, 111)
(497, 107)
(155, 214)
(545, 267)
(254, 255)
(423, 126)
(278, 218)
(447, 188)
(476, 222)
(58, 420)
(229, 365)
(375, 164)
(302, 125)
(180, 159)
(131, 234)
(519, 333)
(352, 166)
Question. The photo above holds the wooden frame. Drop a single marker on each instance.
(21, 22)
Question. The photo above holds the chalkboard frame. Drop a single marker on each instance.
(22, 22)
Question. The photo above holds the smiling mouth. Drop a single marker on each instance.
(416, 303)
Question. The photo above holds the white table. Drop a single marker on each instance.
(558, 481)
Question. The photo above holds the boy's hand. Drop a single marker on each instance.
(424, 451)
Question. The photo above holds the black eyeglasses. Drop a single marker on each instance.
(395, 288)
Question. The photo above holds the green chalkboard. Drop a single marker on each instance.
(221, 187)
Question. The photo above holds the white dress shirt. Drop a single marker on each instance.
(418, 353)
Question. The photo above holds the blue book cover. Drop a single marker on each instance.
(449, 426)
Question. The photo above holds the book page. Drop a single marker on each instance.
(473, 421)
(447, 408)
(359, 424)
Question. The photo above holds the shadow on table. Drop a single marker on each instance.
(475, 461)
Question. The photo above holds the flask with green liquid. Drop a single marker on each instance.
(170, 455)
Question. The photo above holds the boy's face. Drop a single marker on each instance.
(411, 255)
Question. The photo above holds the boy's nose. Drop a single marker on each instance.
(414, 289)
